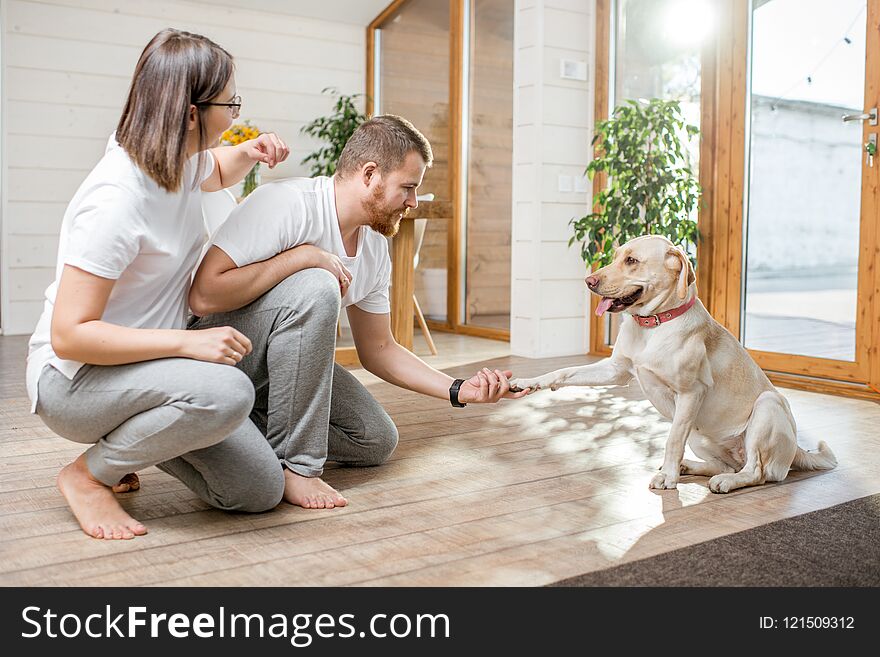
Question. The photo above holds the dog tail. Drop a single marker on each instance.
(823, 459)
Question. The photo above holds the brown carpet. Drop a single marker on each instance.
(838, 546)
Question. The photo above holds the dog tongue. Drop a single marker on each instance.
(604, 305)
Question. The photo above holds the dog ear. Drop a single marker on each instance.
(686, 274)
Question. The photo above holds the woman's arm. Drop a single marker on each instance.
(234, 162)
(79, 334)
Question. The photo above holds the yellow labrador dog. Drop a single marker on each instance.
(694, 373)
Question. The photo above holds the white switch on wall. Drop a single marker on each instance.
(564, 183)
(570, 69)
(580, 183)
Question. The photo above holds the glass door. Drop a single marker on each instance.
(411, 79)
(655, 51)
(447, 66)
(809, 214)
(488, 120)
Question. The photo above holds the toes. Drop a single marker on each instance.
(661, 482)
(127, 484)
(719, 484)
(96, 532)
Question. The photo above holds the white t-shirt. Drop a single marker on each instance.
(286, 213)
(122, 226)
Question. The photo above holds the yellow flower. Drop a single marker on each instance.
(239, 133)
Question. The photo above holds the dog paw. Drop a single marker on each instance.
(663, 480)
(516, 385)
(721, 483)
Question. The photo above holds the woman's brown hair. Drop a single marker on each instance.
(176, 69)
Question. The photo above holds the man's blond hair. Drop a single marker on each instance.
(386, 140)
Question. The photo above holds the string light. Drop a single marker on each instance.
(809, 78)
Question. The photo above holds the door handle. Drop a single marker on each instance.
(871, 117)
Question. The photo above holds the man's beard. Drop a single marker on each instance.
(383, 220)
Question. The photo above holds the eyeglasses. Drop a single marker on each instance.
(235, 105)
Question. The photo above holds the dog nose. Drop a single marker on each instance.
(591, 281)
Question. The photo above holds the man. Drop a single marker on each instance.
(267, 275)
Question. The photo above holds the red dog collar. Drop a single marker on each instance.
(653, 321)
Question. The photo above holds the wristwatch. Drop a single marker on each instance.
(453, 394)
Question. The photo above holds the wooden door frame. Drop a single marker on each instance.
(723, 177)
(457, 16)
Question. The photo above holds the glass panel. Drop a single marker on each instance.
(489, 164)
(656, 54)
(802, 241)
(414, 83)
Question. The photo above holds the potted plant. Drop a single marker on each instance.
(236, 134)
(334, 130)
(651, 187)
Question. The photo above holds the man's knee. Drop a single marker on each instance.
(312, 288)
(260, 492)
(383, 440)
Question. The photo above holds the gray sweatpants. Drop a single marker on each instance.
(186, 416)
(310, 409)
(200, 421)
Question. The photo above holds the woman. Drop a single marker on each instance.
(110, 362)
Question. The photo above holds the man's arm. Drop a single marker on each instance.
(380, 354)
(220, 286)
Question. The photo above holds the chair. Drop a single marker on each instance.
(419, 226)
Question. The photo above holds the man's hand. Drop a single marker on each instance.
(329, 261)
(487, 387)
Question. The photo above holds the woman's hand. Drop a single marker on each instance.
(488, 386)
(331, 262)
(268, 148)
(216, 345)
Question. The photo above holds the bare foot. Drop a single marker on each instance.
(310, 492)
(128, 484)
(94, 505)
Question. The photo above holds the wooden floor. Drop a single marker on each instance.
(522, 493)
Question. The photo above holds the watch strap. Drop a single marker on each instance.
(453, 393)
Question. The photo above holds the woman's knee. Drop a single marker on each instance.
(223, 398)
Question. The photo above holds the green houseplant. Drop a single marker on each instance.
(651, 188)
(334, 130)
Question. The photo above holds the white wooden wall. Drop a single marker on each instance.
(552, 121)
(66, 67)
